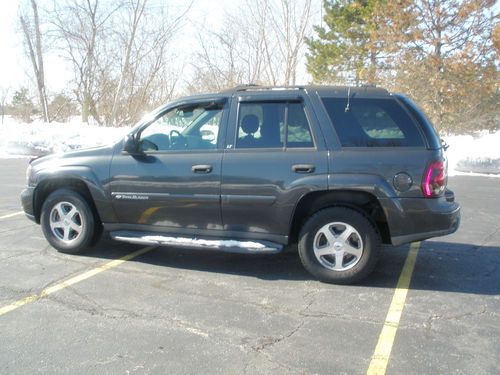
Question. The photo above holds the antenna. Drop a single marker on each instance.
(347, 107)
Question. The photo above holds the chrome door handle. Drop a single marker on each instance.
(303, 168)
(201, 168)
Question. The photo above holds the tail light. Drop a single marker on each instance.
(434, 181)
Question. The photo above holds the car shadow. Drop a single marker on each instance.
(440, 266)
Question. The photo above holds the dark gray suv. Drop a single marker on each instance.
(336, 171)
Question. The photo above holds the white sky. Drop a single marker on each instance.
(15, 68)
(11, 71)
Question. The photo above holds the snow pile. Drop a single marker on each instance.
(479, 153)
(39, 138)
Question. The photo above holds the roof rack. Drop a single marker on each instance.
(245, 87)
(256, 87)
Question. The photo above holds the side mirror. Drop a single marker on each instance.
(131, 146)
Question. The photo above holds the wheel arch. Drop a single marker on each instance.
(79, 178)
(361, 201)
(49, 185)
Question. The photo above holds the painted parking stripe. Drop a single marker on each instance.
(380, 358)
(73, 280)
(12, 215)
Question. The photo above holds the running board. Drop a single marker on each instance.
(229, 246)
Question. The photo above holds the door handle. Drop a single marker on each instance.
(303, 168)
(201, 168)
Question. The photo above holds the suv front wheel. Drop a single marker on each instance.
(339, 245)
(67, 221)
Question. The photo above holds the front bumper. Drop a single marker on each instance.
(417, 219)
(27, 202)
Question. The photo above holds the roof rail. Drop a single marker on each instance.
(253, 86)
(246, 86)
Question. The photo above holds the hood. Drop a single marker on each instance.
(77, 157)
(64, 158)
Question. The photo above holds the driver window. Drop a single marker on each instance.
(183, 128)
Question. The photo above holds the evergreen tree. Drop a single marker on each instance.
(347, 48)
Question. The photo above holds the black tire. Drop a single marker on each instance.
(84, 218)
(365, 237)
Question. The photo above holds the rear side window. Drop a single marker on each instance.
(273, 125)
(372, 123)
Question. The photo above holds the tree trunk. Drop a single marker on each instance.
(138, 11)
(41, 72)
(85, 108)
(36, 57)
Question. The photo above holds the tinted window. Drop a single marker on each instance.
(372, 123)
(298, 132)
(264, 125)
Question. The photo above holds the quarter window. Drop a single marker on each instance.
(372, 123)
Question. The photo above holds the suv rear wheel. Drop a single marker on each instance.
(67, 221)
(339, 245)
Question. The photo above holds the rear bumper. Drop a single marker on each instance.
(417, 219)
(27, 202)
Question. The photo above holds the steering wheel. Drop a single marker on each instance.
(177, 139)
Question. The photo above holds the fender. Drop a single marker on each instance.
(86, 175)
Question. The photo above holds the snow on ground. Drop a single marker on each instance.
(38, 138)
(472, 154)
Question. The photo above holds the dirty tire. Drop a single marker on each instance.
(68, 222)
(339, 245)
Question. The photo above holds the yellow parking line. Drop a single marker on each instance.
(73, 280)
(380, 358)
(12, 215)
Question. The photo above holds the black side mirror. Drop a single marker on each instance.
(131, 146)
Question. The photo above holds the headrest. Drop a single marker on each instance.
(250, 124)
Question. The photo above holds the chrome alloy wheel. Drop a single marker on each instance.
(66, 222)
(338, 246)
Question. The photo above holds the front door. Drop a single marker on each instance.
(174, 184)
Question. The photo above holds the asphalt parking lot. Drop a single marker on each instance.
(185, 312)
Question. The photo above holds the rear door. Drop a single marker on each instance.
(274, 155)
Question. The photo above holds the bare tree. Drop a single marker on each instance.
(33, 39)
(218, 64)
(119, 54)
(289, 21)
(263, 42)
(143, 32)
(137, 11)
(80, 28)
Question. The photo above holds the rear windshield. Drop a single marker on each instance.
(372, 123)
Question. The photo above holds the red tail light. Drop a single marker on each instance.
(434, 181)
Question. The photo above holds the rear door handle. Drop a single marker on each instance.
(303, 168)
(201, 168)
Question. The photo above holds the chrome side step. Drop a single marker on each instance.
(230, 246)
